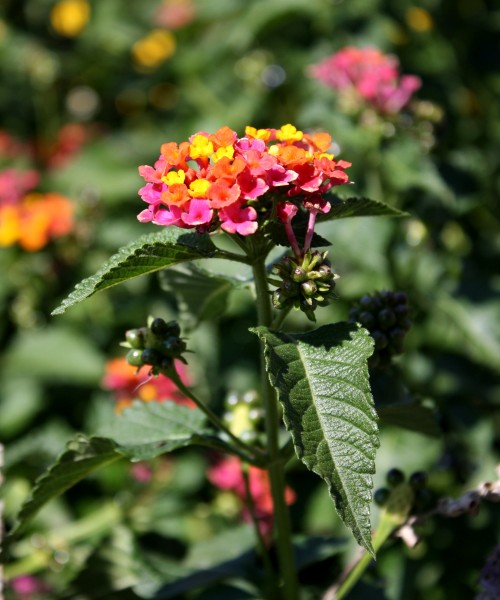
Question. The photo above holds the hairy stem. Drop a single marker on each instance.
(276, 464)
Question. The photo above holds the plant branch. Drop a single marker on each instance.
(249, 453)
(275, 465)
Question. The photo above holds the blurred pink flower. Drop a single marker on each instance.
(227, 475)
(27, 586)
(370, 74)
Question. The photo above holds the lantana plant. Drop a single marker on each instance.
(265, 192)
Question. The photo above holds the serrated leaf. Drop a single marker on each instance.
(201, 295)
(81, 457)
(146, 430)
(148, 254)
(322, 382)
(143, 431)
(358, 207)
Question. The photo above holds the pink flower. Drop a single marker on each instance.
(237, 219)
(226, 475)
(371, 75)
(199, 213)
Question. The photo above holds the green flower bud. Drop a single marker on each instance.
(299, 275)
(309, 288)
(136, 337)
(134, 358)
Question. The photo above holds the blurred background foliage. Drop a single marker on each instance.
(90, 90)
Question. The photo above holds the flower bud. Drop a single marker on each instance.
(136, 337)
(134, 358)
(308, 288)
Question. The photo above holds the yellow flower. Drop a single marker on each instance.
(152, 50)
(69, 17)
(198, 188)
(10, 226)
(261, 134)
(223, 151)
(289, 133)
(174, 177)
(419, 19)
(201, 147)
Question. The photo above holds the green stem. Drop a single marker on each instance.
(276, 465)
(248, 453)
(268, 567)
(384, 530)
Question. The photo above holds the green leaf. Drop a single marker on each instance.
(143, 431)
(146, 430)
(81, 457)
(201, 295)
(358, 207)
(148, 254)
(322, 382)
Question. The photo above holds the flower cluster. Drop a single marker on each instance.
(221, 180)
(28, 218)
(127, 384)
(367, 76)
(227, 475)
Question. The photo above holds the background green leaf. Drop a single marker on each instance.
(358, 207)
(148, 254)
(322, 382)
(146, 430)
(201, 294)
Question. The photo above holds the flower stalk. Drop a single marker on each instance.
(276, 462)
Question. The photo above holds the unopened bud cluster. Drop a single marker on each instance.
(385, 315)
(305, 284)
(244, 415)
(156, 345)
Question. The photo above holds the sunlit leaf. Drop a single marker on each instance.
(148, 254)
(322, 381)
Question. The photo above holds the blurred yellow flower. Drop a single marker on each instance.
(69, 17)
(419, 19)
(152, 50)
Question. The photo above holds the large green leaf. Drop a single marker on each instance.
(149, 253)
(201, 295)
(81, 457)
(322, 382)
(144, 430)
(358, 207)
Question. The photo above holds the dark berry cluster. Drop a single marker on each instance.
(244, 416)
(386, 316)
(156, 345)
(417, 482)
(305, 284)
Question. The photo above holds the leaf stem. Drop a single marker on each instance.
(275, 465)
(249, 453)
